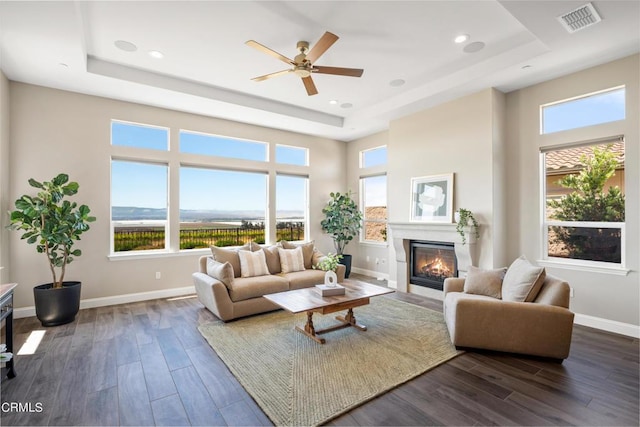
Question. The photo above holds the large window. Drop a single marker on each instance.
(215, 145)
(373, 157)
(221, 207)
(592, 109)
(291, 207)
(138, 206)
(584, 218)
(374, 206)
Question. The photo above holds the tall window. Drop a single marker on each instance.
(221, 207)
(374, 205)
(138, 206)
(592, 109)
(584, 218)
(291, 207)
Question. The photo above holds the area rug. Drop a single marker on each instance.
(298, 382)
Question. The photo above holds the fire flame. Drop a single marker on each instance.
(436, 267)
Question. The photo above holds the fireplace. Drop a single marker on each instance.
(431, 263)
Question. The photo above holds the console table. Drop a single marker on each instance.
(6, 314)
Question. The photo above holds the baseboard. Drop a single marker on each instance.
(116, 299)
(614, 326)
(392, 284)
(370, 273)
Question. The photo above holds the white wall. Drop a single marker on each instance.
(604, 296)
(4, 177)
(361, 251)
(55, 131)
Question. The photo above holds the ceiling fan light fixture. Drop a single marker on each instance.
(302, 71)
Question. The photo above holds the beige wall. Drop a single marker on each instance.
(601, 295)
(463, 137)
(4, 177)
(54, 131)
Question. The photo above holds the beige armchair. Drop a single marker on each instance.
(540, 328)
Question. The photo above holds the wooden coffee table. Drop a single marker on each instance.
(310, 301)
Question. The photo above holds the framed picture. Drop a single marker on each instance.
(432, 198)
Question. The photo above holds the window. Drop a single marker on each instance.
(584, 218)
(138, 206)
(291, 207)
(596, 108)
(221, 207)
(373, 157)
(374, 205)
(291, 155)
(139, 136)
(214, 145)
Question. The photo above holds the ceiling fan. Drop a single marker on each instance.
(303, 63)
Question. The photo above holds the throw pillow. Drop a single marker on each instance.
(523, 281)
(484, 282)
(223, 255)
(220, 271)
(273, 259)
(253, 264)
(307, 251)
(291, 260)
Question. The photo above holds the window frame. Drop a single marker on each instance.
(584, 265)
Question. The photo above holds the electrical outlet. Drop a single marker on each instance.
(367, 258)
(383, 261)
(377, 261)
(158, 275)
(571, 294)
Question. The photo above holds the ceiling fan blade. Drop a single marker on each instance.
(254, 44)
(351, 72)
(268, 76)
(309, 86)
(321, 46)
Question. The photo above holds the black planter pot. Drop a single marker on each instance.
(57, 306)
(346, 261)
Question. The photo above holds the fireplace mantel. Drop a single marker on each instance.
(403, 232)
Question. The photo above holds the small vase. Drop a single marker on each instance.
(330, 278)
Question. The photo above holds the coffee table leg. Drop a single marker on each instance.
(351, 320)
(309, 330)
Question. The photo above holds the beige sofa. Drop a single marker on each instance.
(242, 296)
(542, 327)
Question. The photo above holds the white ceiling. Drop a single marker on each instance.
(207, 68)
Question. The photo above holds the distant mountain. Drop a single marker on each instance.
(129, 213)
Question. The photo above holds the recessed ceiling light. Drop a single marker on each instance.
(347, 105)
(62, 64)
(524, 67)
(473, 47)
(156, 54)
(461, 38)
(333, 102)
(396, 82)
(125, 45)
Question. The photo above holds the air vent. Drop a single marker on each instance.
(582, 17)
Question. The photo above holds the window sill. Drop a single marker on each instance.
(128, 256)
(618, 271)
(375, 244)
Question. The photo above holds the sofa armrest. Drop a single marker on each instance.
(213, 294)
(340, 272)
(453, 284)
(516, 327)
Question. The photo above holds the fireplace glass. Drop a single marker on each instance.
(432, 262)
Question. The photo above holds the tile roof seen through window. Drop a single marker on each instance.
(569, 159)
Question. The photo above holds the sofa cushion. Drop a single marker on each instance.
(220, 271)
(223, 255)
(273, 259)
(304, 279)
(484, 282)
(523, 281)
(252, 287)
(291, 259)
(252, 263)
(307, 250)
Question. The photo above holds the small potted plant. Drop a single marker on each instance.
(53, 224)
(465, 218)
(343, 221)
(329, 264)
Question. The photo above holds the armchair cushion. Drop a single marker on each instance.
(523, 281)
(484, 282)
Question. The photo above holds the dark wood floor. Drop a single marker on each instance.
(145, 363)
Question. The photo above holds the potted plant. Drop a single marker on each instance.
(329, 264)
(53, 224)
(464, 218)
(343, 221)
